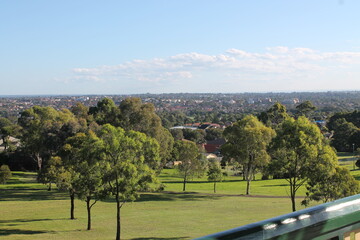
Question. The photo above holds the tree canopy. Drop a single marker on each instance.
(305, 109)
(299, 152)
(329, 186)
(130, 160)
(274, 116)
(134, 115)
(247, 142)
(44, 131)
(191, 160)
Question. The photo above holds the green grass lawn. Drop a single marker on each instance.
(29, 211)
(230, 185)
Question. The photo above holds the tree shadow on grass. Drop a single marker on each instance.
(29, 220)
(276, 185)
(31, 195)
(171, 196)
(191, 182)
(22, 177)
(187, 196)
(155, 238)
(7, 232)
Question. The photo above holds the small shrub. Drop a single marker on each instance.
(5, 174)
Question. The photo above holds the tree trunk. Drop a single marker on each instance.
(293, 203)
(118, 226)
(49, 188)
(248, 186)
(214, 186)
(88, 199)
(248, 178)
(184, 184)
(292, 195)
(72, 197)
(38, 160)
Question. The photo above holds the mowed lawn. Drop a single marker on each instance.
(29, 211)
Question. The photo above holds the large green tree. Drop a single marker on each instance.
(141, 117)
(247, 142)
(44, 131)
(77, 170)
(344, 133)
(192, 162)
(329, 186)
(104, 112)
(130, 161)
(89, 185)
(274, 116)
(305, 109)
(134, 115)
(299, 152)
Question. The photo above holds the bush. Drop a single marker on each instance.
(5, 173)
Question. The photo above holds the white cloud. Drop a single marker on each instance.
(276, 67)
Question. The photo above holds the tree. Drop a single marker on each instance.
(213, 133)
(132, 114)
(214, 172)
(44, 131)
(299, 152)
(330, 186)
(54, 170)
(62, 172)
(177, 134)
(191, 159)
(5, 174)
(137, 116)
(130, 159)
(105, 112)
(88, 184)
(68, 170)
(81, 111)
(247, 141)
(344, 132)
(197, 136)
(352, 117)
(274, 116)
(305, 109)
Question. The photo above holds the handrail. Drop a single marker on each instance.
(334, 220)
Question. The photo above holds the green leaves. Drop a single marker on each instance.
(247, 141)
(301, 154)
(5, 174)
(191, 162)
(131, 158)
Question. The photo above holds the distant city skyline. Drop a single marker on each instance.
(133, 47)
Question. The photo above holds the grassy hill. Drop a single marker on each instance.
(29, 211)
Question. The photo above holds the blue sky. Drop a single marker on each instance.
(125, 47)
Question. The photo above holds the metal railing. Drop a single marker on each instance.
(329, 221)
